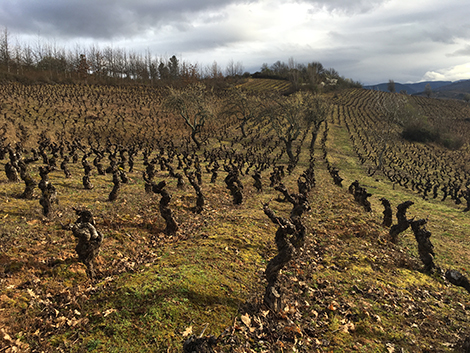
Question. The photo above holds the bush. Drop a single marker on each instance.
(420, 131)
(451, 142)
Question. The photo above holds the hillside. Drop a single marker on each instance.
(440, 89)
(456, 90)
(410, 88)
(460, 86)
(348, 288)
(265, 84)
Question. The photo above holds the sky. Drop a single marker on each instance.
(370, 41)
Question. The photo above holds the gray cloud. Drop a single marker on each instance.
(347, 6)
(367, 40)
(465, 51)
(103, 19)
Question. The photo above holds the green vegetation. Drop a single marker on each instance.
(418, 128)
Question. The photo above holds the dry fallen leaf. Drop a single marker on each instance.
(293, 329)
(188, 331)
(6, 336)
(31, 293)
(246, 320)
(108, 312)
(265, 313)
(349, 327)
(74, 321)
(333, 306)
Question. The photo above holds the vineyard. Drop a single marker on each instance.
(265, 84)
(430, 170)
(136, 219)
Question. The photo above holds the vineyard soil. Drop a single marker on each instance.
(347, 289)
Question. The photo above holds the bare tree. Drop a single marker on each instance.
(152, 65)
(5, 55)
(294, 73)
(96, 60)
(243, 106)
(428, 90)
(213, 71)
(316, 111)
(18, 58)
(234, 69)
(391, 86)
(193, 104)
(110, 61)
(290, 117)
(315, 72)
(28, 57)
(393, 109)
(119, 62)
(280, 69)
(190, 73)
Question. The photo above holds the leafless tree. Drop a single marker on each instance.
(428, 90)
(316, 111)
(192, 103)
(234, 69)
(243, 106)
(315, 72)
(5, 55)
(293, 115)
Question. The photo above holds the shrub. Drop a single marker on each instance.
(420, 131)
(451, 142)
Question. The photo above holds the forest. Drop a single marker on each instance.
(257, 215)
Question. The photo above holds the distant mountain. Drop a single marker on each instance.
(410, 88)
(459, 86)
(435, 85)
(455, 90)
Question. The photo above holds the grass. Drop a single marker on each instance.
(446, 222)
(203, 276)
(348, 290)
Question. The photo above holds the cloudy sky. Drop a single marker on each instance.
(370, 41)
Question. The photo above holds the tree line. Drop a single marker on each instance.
(312, 75)
(47, 62)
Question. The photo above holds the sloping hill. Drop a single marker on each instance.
(347, 289)
(420, 86)
(457, 90)
(440, 89)
(410, 88)
(368, 294)
(398, 87)
(266, 84)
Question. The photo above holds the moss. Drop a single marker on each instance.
(14, 266)
(206, 273)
